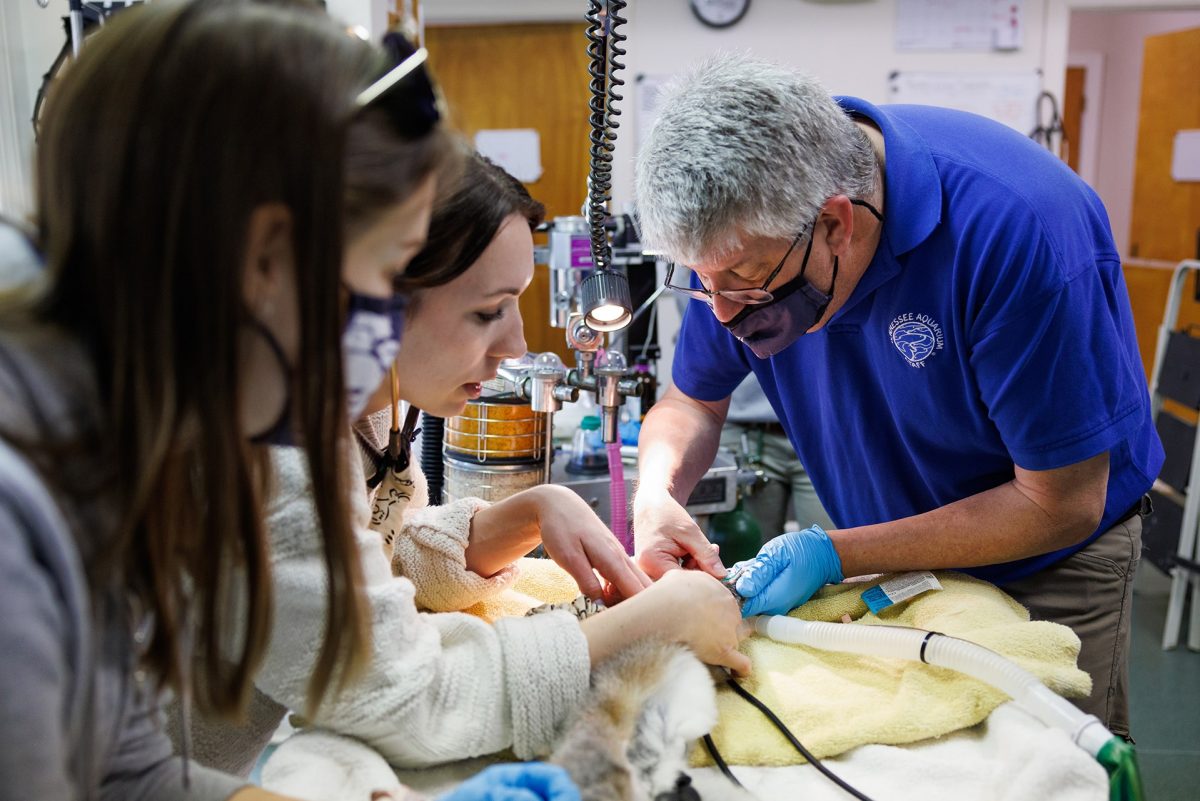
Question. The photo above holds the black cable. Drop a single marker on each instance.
(64, 54)
(397, 455)
(791, 738)
(1044, 134)
(605, 53)
(716, 756)
(94, 15)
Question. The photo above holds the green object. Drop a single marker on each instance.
(737, 533)
(588, 456)
(1124, 777)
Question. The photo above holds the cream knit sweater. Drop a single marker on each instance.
(440, 686)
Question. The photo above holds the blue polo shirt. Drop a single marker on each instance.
(991, 328)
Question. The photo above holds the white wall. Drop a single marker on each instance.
(849, 46)
(30, 37)
(1119, 36)
(13, 171)
(370, 14)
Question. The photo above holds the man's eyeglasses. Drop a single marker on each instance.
(748, 297)
(404, 92)
(751, 297)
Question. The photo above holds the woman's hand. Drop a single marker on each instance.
(571, 533)
(582, 545)
(706, 616)
(685, 606)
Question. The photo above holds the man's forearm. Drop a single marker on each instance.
(995, 526)
(676, 446)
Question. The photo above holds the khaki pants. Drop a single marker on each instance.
(1092, 592)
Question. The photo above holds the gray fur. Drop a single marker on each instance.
(744, 148)
(629, 739)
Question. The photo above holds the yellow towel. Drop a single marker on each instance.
(834, 701)
(539, 581)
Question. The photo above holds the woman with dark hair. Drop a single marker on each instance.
(441, 685)
(196, 299)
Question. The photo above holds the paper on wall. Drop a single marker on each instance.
(959, 24)
(1007, 97)
(1185, 156)
(518, 150)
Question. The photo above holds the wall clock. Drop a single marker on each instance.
(720, 13)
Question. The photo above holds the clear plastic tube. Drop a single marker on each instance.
(616, 497)
(937, 649)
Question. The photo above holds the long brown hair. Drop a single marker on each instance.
(465, 221)
(176, 123)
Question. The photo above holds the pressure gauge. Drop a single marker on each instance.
(720, 13)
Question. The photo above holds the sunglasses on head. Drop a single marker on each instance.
(404, 92)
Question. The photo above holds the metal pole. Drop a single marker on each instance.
(549, 455)
(76, 17)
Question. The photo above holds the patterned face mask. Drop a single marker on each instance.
(370, 344)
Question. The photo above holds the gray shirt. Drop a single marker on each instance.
(748, 404)
(76, 719)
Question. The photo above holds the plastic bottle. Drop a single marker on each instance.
(587, 448)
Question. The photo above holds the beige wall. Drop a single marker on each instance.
(848, 46)
(1118, 37)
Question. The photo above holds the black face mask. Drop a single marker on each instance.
(768, 328)
(280, 433)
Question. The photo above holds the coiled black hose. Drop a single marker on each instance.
(431, 456)
(604, 48)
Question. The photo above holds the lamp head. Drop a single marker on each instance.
(605, 300)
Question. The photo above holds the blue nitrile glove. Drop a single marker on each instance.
(787, 571)
(520, 781)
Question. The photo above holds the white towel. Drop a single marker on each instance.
(319, 765)
(1009, 757)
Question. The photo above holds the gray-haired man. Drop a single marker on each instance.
(936, 311)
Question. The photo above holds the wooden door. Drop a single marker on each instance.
(1165, 224)
(524, 76)
(1166, 213)
(1072, 116)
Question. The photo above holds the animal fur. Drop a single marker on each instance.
(629, 740)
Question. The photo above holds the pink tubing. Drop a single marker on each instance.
(616, 496)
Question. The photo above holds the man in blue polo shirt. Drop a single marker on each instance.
(935, 309)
